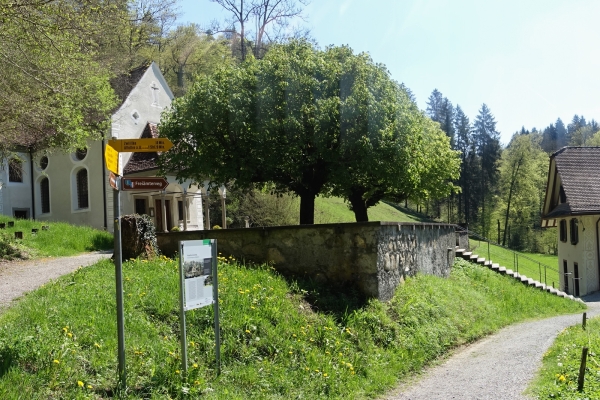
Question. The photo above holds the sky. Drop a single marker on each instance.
(530, 61)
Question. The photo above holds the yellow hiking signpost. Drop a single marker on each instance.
(140, 145)
(111, 158)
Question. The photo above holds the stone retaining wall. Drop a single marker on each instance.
(375, 257)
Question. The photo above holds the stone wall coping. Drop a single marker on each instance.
(333, 225)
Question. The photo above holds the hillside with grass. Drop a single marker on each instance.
(330, 210)
(541, 267)
(280, 338)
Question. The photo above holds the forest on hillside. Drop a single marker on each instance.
(502, 189)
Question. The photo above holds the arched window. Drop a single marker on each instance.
(45, 195)
(82, 188)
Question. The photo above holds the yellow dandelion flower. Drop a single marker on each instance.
(196, 382)
(90, 387)
(177, 371)
(97, 345)
(195, 365)
(325, 375)
(69, 334)
(247, 331)
(56, 362)
(79, 383)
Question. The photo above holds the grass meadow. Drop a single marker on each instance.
(61, 239)
(281, 339)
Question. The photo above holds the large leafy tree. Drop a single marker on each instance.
(523, 169)
(53, 90)
(311, 122)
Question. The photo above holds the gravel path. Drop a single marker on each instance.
(497, 367)
(20, 277)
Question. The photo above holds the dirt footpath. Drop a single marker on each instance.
(20, 277)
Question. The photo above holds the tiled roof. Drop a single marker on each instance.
(579, 171)
(139, 162)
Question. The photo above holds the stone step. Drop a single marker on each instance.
(468, 255)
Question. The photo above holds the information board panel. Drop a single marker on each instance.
(198, 266)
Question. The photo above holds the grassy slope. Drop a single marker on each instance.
(527, 262)
(281, 339)
(60, 240)
(560, 370)
(334, 209)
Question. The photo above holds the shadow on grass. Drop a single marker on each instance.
(420, 217)
(337, 300)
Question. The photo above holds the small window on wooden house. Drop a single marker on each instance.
(45, 195)
(15, 170)
(563, 230)
(82, 189)
(574, 231)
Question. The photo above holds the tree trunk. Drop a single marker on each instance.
(307, 209)
(358, 206)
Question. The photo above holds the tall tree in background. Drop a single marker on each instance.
(487, 142)
(266, 15)
(523, 174)
(189, 51)
(464, 144)
(440, 110)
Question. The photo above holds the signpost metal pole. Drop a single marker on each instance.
(119, 286)
(184, 363)
(216, 306)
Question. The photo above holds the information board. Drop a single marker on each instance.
(198, 266)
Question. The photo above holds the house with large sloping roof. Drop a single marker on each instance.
(572, 206)
(75, 187)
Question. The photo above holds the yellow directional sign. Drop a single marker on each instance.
(111, 158)
(140, 145)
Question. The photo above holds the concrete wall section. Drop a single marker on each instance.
(375, 257)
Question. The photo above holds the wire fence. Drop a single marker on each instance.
(518, 262)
